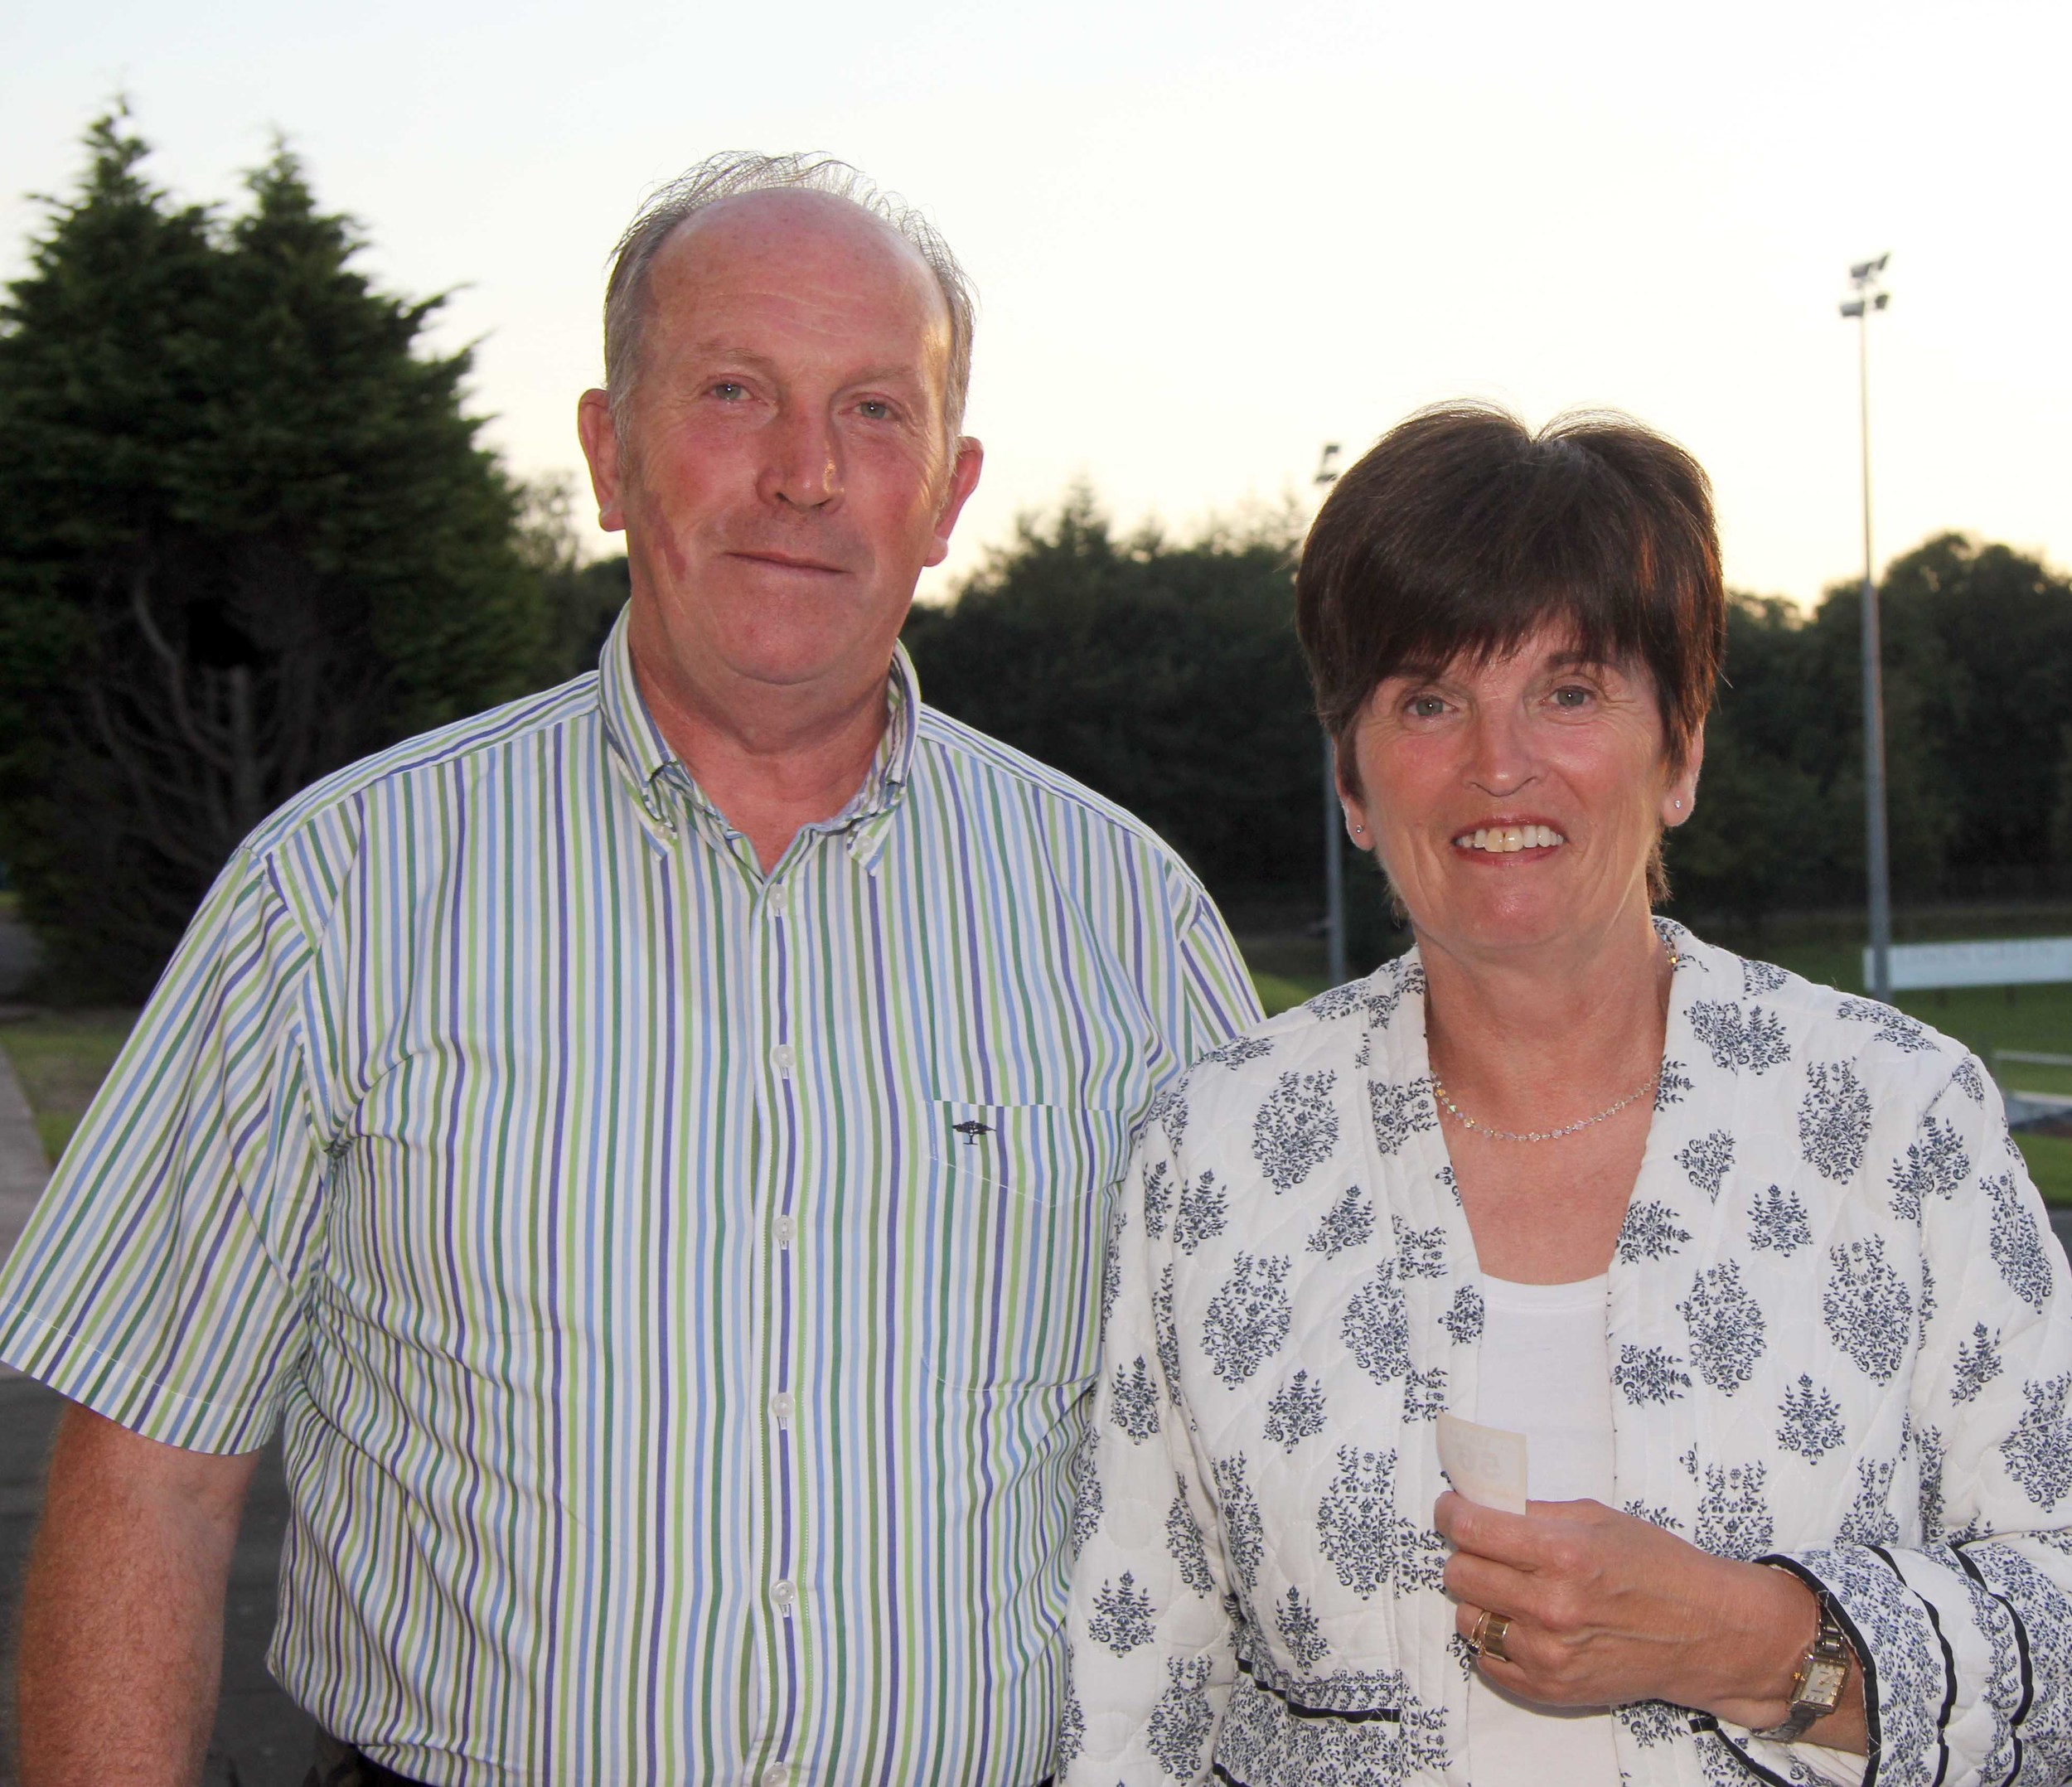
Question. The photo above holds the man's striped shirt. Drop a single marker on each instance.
(679, 1286)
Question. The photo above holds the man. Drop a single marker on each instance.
(648, 1144)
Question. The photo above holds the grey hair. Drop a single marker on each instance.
(727, 175)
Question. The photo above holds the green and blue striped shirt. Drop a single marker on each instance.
(679, 1285)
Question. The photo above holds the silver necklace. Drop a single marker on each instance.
(1465, 1122)
(1461, 1117)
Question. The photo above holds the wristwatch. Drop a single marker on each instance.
(1816, 1690)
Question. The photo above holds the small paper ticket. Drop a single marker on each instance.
(1487, 1465)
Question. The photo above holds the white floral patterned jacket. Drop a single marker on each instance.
(1841, 1338)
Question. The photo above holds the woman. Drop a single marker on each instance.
(1752, 1266)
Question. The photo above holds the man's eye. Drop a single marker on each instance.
(1572, 697)
(1427, 706)
(876, 409)
(728, 391)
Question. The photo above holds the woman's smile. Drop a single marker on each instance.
(1512, 837)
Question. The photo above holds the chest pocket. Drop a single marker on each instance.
(1017, 1221)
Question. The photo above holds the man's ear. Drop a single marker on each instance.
(600, 440)
(964, 479)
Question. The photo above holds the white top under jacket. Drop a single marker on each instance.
(1840, 1336)
(1546, 1374)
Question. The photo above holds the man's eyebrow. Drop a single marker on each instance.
(887, 374)
(726, 350)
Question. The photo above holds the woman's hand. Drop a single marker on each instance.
(1605, 1609)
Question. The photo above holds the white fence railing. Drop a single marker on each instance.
(1999, 961)
(2023, 1107)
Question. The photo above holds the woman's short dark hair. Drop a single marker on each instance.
(1461, 531)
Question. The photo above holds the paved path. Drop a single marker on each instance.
(21, 955)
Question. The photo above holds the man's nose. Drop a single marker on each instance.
(802, 467)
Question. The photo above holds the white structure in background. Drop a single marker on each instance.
(2003, 961)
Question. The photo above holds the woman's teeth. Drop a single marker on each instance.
(1502, 838)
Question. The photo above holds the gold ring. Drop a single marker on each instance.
(1486, 1640)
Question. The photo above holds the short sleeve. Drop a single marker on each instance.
(158, 1279)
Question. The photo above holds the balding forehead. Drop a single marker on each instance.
(762, 221)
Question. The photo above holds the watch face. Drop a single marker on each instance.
(1824, 1683)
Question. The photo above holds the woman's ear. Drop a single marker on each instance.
(1682, 794)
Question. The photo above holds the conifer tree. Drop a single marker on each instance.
(248, 534)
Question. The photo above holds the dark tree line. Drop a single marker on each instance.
(1167, 676)
(1979, 729)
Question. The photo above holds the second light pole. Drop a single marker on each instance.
(1864, 277)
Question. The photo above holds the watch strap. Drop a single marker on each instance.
(1817, 1685)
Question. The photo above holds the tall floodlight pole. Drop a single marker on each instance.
(1335, 960)
(1864, 277)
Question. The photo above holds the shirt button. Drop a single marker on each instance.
(783, 1591)
(782, 1405)
(785, 1229)
(781, 1058)
(778, 895)
(777, 1774)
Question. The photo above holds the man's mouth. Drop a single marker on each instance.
(1502, 840)
(790, 561)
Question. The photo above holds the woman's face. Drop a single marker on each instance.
(1558, 765)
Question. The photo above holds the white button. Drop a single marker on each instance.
(782, 1405)
(778, 895)
(781, 1058)
(785, 1229)
(777, 1774)
(783, 1592)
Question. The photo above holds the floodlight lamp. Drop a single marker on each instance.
(1853, 308)
(1881, 300)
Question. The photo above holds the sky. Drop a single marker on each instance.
(1209, 238)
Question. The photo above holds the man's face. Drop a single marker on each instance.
(784, 475)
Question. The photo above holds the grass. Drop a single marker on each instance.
(1277, 992)
(61, 1058)
(2050, 1159)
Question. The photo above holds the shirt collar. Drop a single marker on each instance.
(645, 755)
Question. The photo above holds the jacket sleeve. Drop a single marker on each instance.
(1966, 1639)
(1150, 1647)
